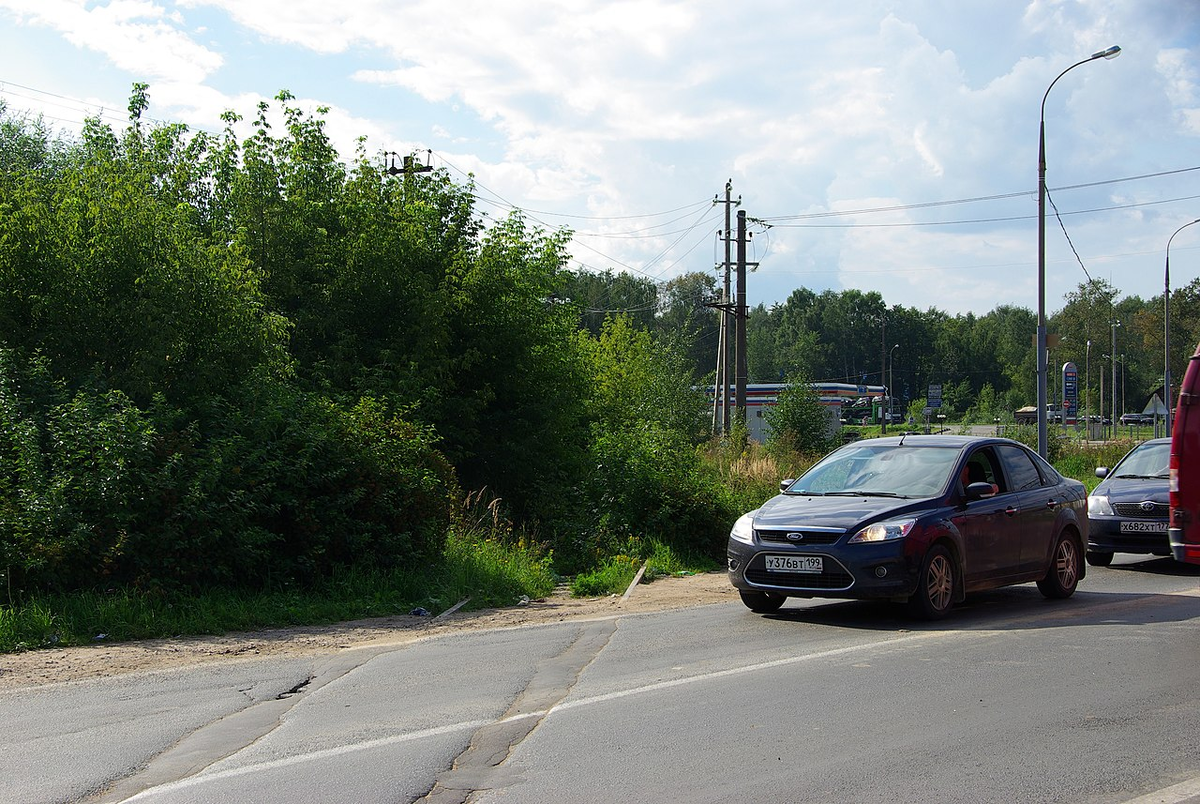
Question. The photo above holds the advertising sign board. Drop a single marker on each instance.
(935, 396)
(1070, 390)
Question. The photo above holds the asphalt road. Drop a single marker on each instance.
(1014, 698)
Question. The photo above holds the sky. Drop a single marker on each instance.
(875, 145)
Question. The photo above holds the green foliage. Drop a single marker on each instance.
(1080, 460)
(1056, 440)
(644, 477)
(279, 486)
(612, 577)
(70, 472)
(475, 568)
(799, 422)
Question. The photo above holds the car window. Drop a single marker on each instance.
(1022, 471)
(906, 471)
(1146, 460)
(989, 467)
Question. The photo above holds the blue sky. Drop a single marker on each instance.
(857, 133)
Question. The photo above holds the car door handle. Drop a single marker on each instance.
(1012, 510)
(1052, 503)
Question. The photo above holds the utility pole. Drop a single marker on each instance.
(740, 316)
(409, 166)
(885, 409)
(727, 320)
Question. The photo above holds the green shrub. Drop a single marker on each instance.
(613, 577)
(1080, 459)
(271, 487)
(286, 487)
(799, 422)
(650, 484)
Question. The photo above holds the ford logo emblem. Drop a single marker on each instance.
(1148, 505)
(795, 537)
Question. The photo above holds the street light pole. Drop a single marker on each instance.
(1113, 362)
(1167, 325)
(1110, 53)
(891, 378)
(1087, 392)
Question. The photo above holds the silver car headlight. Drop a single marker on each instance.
(743, 529)
(1098, 505)
(884, 531)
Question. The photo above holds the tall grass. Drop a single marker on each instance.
(1079, 459)
(475, 566)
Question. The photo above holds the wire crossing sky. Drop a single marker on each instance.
(876, 145)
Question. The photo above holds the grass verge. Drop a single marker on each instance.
(489, 573)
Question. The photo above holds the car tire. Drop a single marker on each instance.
(762, 602)
(935, 585)
(1063, 575)
(1098, 559)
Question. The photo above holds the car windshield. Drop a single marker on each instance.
(1148, 460)
(880, 471)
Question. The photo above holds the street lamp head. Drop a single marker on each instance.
(1110, 53)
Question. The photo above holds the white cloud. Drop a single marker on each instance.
(613, 109)
(139, 37)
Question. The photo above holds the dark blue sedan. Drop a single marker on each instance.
(917, 519)
(1128, 512)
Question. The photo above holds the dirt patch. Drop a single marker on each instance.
(51, 666)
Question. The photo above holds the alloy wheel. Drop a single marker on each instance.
(940, 582)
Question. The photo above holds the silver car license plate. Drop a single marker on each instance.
(812, 564)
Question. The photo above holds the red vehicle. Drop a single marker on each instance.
(1184, 528)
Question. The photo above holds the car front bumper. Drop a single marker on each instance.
(858, 571)
(1105, 536)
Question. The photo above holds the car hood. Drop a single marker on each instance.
(1129, 489)
(792, 510)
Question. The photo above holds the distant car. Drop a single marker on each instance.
(1131, 419)
(1128, 512)
(922, 519)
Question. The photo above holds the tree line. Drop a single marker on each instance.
(985, 364)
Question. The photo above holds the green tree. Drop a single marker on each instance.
(799, 422)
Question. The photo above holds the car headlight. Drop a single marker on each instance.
(1098, 505)
(743, 529)
(884, 531)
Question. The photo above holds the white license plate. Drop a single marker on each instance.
(794, 564)
(1143, 527)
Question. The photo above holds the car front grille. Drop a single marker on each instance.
(1135, 511)
(833, 577)
(806, 536)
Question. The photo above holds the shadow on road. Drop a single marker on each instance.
(1013, 608)
(1155, 566)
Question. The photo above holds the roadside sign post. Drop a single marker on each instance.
(1070, 400)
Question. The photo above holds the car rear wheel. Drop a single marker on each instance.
(1063, 575)
(1097, 559)
(762, 602)
(935, 585)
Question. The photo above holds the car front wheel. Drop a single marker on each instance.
(935, 586)
(1063, 575)
(762, 602)
(1097, 559)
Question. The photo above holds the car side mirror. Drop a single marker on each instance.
(783, 484)
(1101, 472)
(977, 491)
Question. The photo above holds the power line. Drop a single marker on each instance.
(976, 199)
(971, 220)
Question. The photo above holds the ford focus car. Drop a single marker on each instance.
(917, 519)
(1128, 512)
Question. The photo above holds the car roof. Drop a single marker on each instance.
(916, 439)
